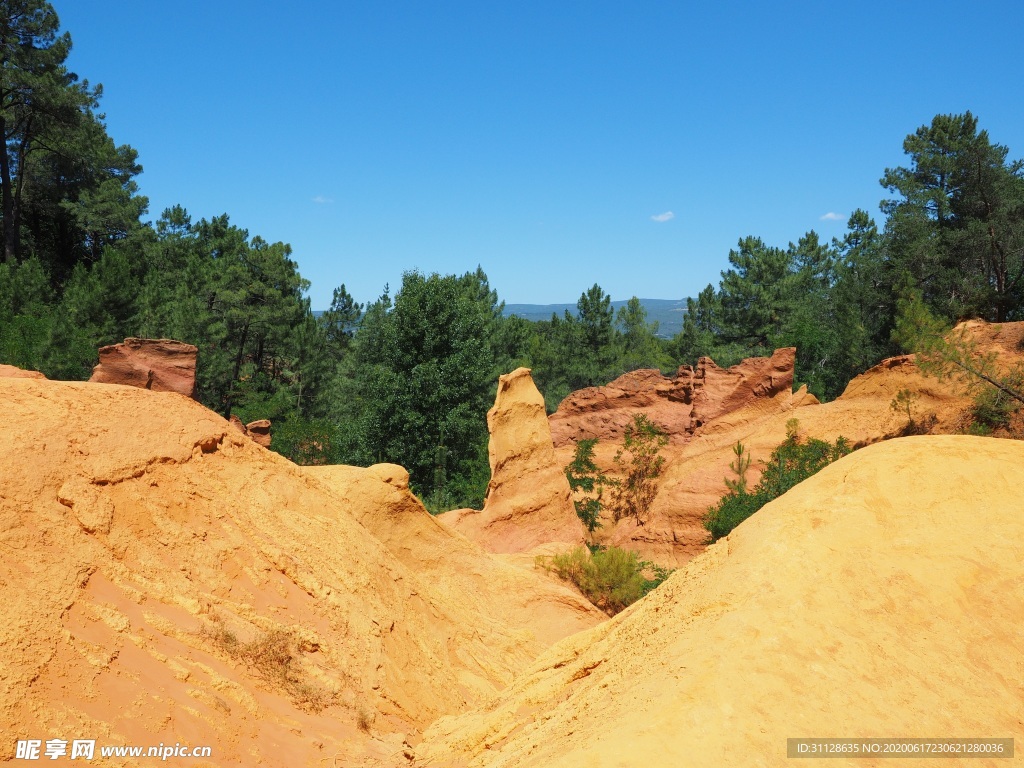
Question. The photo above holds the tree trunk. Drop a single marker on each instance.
(10, 225)
(238, 369)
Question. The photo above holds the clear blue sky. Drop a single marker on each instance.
(541, 140)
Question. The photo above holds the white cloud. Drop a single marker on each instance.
(663, 217)
(321, 200)
(831, 216)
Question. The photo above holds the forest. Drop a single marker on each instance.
(407, 377)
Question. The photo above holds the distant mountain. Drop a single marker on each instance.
(667, 312)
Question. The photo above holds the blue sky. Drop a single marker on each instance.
(556, 144)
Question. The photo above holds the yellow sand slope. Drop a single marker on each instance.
(882, 597)
(146, 541)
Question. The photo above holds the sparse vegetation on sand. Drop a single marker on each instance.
(792, 462)
(273, 657)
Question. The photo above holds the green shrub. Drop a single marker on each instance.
(797, 459)
(308, 442)
(993, 408)
(611, 578)
(585, 477)
(792, 462)
(732, 510)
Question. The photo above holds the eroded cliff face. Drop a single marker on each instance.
(880, 597)
(168, 580)
(162, 365)
(707, 411)
(528, 502)
(679, 405)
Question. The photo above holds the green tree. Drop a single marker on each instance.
(596, 319)
(572, 352)
(957, 223)
(637, 339)
(25, 313)
(258, 301)
(424, 368)
(34, 86)
(173, 297)
(587, 482)
(754, 296)
(63, 183)
(241, 301)
(808, 317)
(700, 332)
(553, 351)
(587, 342)
(863, 300)
(340, 322)
(633, 495)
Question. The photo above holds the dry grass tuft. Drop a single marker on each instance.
(273, 657)
(364, 719)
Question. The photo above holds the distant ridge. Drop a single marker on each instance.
(667, 312)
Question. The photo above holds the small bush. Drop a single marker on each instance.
(904, 403)
(271, 656)
(611, 578)
(732, 510)
(222, 637)
(993, 408)
(364, 719)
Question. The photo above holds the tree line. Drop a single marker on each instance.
(408, 377)
(953, 235)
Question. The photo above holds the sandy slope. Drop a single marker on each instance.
(882, 597)
(138, 527)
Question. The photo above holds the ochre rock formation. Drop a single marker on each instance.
(528, 498)
(152, 550)
(679, 405)
(881, 597)
(162, 365)
(257, 431)
(752, 403)
(13, 372)
(394, 475)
